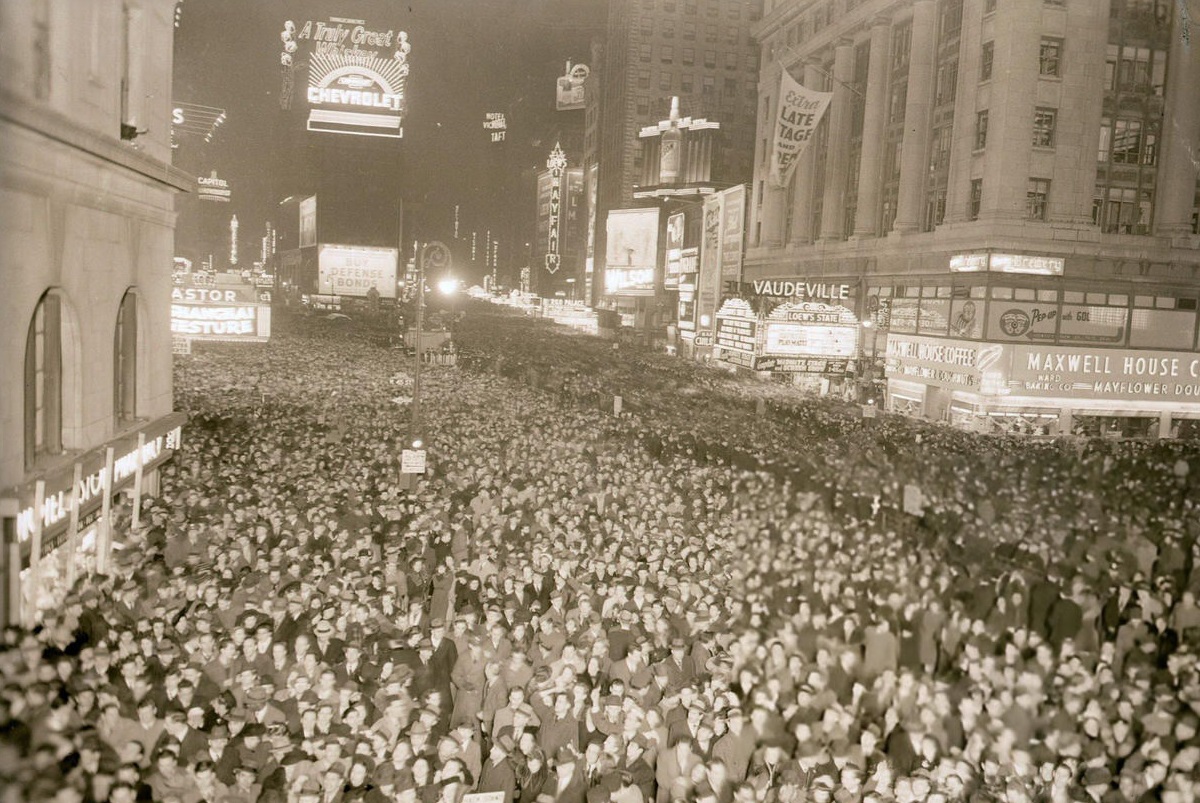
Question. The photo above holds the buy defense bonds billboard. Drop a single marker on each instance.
(357, 75)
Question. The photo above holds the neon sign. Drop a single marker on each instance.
(356, 77)
(557, 163)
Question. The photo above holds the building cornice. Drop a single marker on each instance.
(53, 125)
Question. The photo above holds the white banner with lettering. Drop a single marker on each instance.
(800, 111)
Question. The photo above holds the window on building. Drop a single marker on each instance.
(689, 8)
(989, 7)
(935, 209)
(666, 54)
(708, 87)
(644, 53)
(125, 340)
(950, 21)
(1127, 142)
(1105, 149)
(1044, 121)
(731, 36)
(668, 29)
(686, 83)
(44, 381)
(710, 59)
(750, 62)
(986, 57)
(689, 31)
(713, 9)
(947, 82)
(643, 106)
(689, 56)
(1111, 59)
(901, 45)
(731, 89)
(710, 34)
(1055, 2)
(1127, 211)
(647, 26)
(665, 81)
(981, 129)
(1037, 193)
(643, 79)
(731, 61)
(1135, 68)
(1050, 57)
(899, 97)
(669, 6)
(976, 199)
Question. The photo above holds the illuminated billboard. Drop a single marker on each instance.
(352, 270)
(632, 251)
(357, 76)
(569, 92)
(220, 312)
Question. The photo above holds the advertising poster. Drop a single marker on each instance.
(800, 111)
(733, 224)
(220, 312)
(1087, 324)
(213, 188)
(632, 251)
(569, 94)
(1023, 321)
(966, 318)
(935, 316)
(674, 250)
(1162, 328)
(308, 221)
(708, 280)
(737, 327)
(953, 364)
(903, 315)
(357, 75)
(352, 270)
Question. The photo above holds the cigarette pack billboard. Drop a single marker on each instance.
(632, 251)
(568, 93)
(220, 311)
(352, 270)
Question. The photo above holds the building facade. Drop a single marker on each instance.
(1005, 183)
(86, 243)
(700, 51)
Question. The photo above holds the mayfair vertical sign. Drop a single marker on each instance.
(556, 163)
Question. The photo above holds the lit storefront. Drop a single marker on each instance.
(56, 522)
(993, 350)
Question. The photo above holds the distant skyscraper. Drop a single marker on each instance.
(701, 51)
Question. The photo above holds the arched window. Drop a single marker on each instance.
(44, 381)
(125, 340)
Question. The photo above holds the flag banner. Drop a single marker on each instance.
(800, 111)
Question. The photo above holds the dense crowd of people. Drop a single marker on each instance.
(704, 599)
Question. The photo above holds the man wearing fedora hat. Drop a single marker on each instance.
(498, 774)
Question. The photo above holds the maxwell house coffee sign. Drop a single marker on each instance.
(357, 77)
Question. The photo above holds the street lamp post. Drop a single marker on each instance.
(434, 255)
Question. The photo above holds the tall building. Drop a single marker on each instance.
(700, 51)
(1009, 190)
(87, 228)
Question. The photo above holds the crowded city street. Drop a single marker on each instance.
(701, 598)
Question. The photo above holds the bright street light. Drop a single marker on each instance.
(447, 286)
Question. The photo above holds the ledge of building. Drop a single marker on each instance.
(60, 128)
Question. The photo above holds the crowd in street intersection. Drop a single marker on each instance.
(701, 600)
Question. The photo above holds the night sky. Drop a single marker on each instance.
(468, 57)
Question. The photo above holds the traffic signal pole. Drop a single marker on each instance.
(414, 426)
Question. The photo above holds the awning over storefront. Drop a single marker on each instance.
(162, 438)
